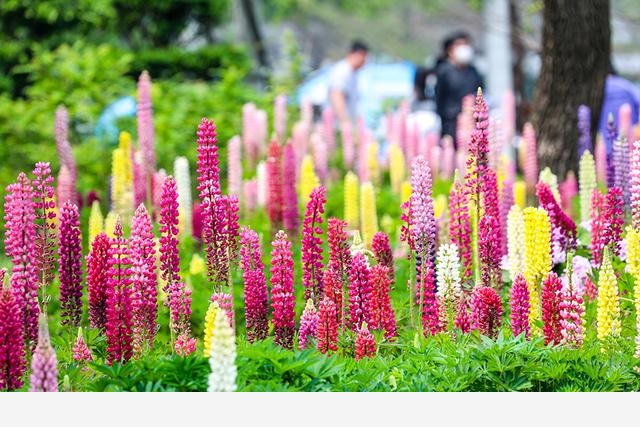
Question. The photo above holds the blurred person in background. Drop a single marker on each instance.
(456, 78)
(617, 92)
(343, 83)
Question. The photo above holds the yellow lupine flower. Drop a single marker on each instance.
(608, 301)
(308, 179)
(209, 322)
(520, 194)
(197, 265)
(397, 168)
(405, 191)
(368, 215)
(633, 265)
(351, 199)
(537, 240)
(122, 178)
(373, 162)
(515, 241)
(549, 178)
(110, 223)
(96, 221)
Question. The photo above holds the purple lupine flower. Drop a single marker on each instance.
(360, 292)
(45, 222)
(634, 184)
(70, 258)
(44, 364)
(607, 150)
(146, 136)
(584, 129)
(620, 160)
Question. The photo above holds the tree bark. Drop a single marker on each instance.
(255, 34)
(576, 48)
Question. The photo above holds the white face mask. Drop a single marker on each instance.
(463, 54)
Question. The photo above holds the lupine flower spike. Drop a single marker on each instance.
(70, 258)
(282, 297)
(222, 357)
(312, 244)
(365, 343)
(81, 352)
(12, 362)
(327, 327)
(308, 325)
(44, 364)
(255, 286)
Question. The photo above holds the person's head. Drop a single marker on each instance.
(457, 48)
(357, 55)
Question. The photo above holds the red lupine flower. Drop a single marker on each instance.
(70, 258)
(97, 278)
(460, 227)
(382, 251)
(519, 306)
(312, 244)
(144, 280)
(282, 296)
(81, 352)
(19, 243)
(550, 296)
(12, 350)
(290, 214)
(486, 311)
(119, 328)
(256, 305)
(431, 319)
(327, 326)
(308, 325)
(607, 220)
(365, 343)
(43, 196)
(334, 289)
(382, 315)
(571, 316)
(44, 364)
(463, 320)
(489, 251)
(274, 181)
(339, 252)
(590, 289)
(359, 292)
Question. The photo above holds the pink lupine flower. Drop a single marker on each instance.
(348, 146)
(634, 184)
(157, 181)
(382, 251)
(70, 259)
(598, 226)
(531, 153)
(477, 162)
(290, 214)
(144, 281)
(491, 205)
(448, 158)
(251, 195)
(563, 229)
(360, 291)
(486, 311)
(382, 315)
(519, 306)
(97, 278)
(489, 251)
(275, 191)
(339, 252)
(423, 224)
(19, 243)
(571, 316)
(280, 116)
(81, 352)
(45, 222)
(568, 191)
(550, 297)
(365, 343)
(328, 126)
(140, 180)
(327, 326)
(66, 181)
(320, 156)
(282, 297)
(119, 324)
(334, 284)
(225, 302)
(44, 364)
(234, 167)
(506, 201)
(312, 244)
(249, 137)
(66, 186)
(144, 113)
(255, 286)
(460, 226)
(431, 308)
(308, 325)
(607, 220)
(463, 320)
(12, 350)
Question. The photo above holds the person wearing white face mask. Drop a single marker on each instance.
(456, 78)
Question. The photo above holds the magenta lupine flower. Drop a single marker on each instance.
(506, 201)
(19, 244)
(178, 296)
(144, 280)
(519, 306)
(598, 226)
(430, 310)
(97, 278)
(327, 326)
(282, 297)
(584, 129)
(571, 316)
(620, 160)
(460, 227)
(139, 180)
(463, 319)
(45, 222)
(66, 186)
(334, 285)
(486, 311)
(365, 342)
(614, 214)
(256, 306)
(308, 325)
(491, 203)
(568, 190)
(157, 181)
(144, 113)
(382, 315)
(478, 161)
(44, 364)
(249, 138)
(70, 259)
(234, 167)
(563, 229)
(382, 251)
(312, 244)
(81, 352)
(290, 214)
(225, 302)
(634, 184)
(328, 128)
(550, 299)
(12, 350)
(66, 156)
(489, 251)
(119, 325)
(197, 221)
(360, 292)
(339, 250)
(274, 182)
(531, 153)
(225, 239)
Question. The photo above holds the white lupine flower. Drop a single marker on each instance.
(261, 177)
(183, 182)
(448, 272)
(515, 241)
(548, 177)
(222, 359)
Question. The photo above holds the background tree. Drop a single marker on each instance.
(576, 50)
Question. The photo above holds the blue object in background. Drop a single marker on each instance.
(106, 127)
(376, 83)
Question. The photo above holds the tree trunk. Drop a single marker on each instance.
(575, 55)
(255, 34)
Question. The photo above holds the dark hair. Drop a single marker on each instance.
(451, 39)
(358, 46)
